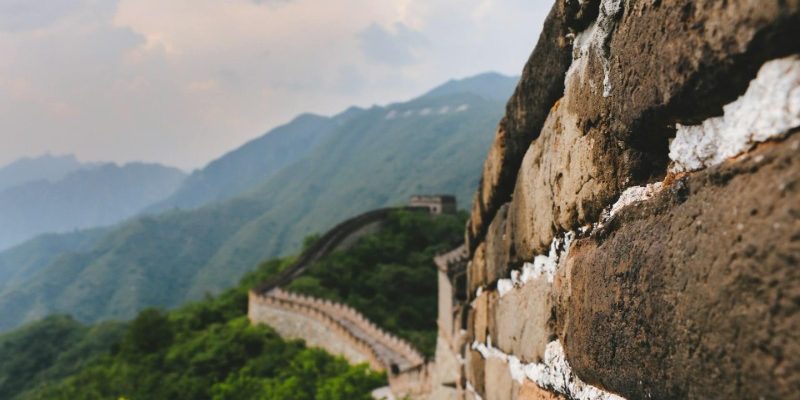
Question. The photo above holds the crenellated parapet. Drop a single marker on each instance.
(381, 349)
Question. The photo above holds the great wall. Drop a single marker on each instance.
(636, 232)
(337, 328)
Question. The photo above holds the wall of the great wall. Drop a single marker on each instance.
(312, 326)
(636, 233)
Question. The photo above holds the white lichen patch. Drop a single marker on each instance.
(545, 265)
(596, 38)
(504, 286)
(769, 108)
(553, 373)
(632, 195)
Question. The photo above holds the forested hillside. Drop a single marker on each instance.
(377, 157)
(251, 164)
(202, 350)
(208, 349)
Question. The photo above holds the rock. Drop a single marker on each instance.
(559, 186)
(695, 293)
(476, 271)
(498, 247)
(523, 321)
(540, 86)
(666, 63)
(474, 370)
(530, 391)
(499, 385)
(686, 294)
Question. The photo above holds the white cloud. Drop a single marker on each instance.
(184, 81)
(396, 46)
(21, 15)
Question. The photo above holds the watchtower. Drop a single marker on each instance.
(436, 204)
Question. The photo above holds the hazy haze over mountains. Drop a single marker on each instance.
(45, 167)
(313, 173)
(250, 164)
(55, 199)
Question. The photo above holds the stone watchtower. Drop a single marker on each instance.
(436, 204)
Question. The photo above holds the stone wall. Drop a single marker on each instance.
(317, 329)
(340, 237)
(636, 233)
(335, 327)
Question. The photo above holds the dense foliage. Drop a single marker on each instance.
(50, 349)
(390, 276)
(204, 350)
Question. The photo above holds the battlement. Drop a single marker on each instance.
(366, 341)
(436, 204)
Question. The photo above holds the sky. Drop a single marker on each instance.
(181, 82)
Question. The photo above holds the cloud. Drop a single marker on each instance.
(21, 15)
(272, 3)
(395, 46)
(184, 81)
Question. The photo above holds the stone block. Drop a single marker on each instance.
(498, 247)
(474, 370)
(530, 391)
(523, 322)
(696, 292)
(484, 315)
(540, 86)
(558, 187)
(476, 270)
(499, 385)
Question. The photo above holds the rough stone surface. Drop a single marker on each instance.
(474, 370)
(499, 385)
(498, 247)
(523, 321)
(541, 85)
(484, 315)
(476, 270)
(446, 374)
(530, 391)
(696, 292)
(671, 62)
(591, 147)
(293, 325)
(683, 295)
(559, 186)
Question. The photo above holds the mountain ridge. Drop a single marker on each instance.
(379, 157)
(99, 195)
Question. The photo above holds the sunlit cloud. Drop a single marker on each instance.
(183, 81)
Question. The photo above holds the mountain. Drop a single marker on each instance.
(95, 196)
(23, 261)
(46, 167)
(374, 158)
(202, 350)
(252, 163)
(490, 85)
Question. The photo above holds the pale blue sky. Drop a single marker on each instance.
(183, 81)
